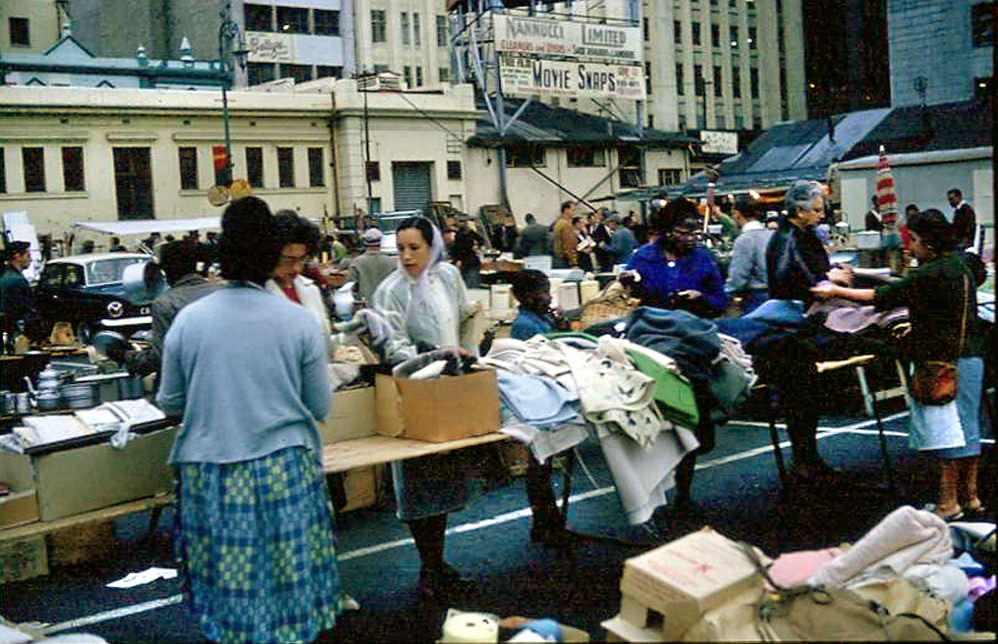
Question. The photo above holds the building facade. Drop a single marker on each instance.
(941, 50)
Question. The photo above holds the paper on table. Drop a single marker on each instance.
(40, 430)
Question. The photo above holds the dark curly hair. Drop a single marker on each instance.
(292, 228)
(672, 214)
(934, 229)
(248, 247)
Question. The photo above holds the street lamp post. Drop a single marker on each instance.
(228, 30)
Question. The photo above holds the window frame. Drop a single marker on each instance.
(379, 26)
(454, 170)
(253, 24)
(585, 156)
(525, 155)
(316, 167)
(73, 179)
(677, 173)
(254, 165)
(372, 170)
(404, 27)
(695, 33)
(443, 31)
(190, 172)
(296, 13)
(285, 166)
(38, 172)
(680, 80)
(23, 26)
(330, 22)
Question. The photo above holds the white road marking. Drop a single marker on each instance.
(823, 432)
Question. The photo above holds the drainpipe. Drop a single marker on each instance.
(335, 163)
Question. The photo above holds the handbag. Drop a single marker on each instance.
(934, 381)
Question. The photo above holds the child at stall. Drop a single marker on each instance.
(533, 292)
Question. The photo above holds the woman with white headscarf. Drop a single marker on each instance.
(424, 301)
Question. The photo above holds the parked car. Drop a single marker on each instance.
(96, 292)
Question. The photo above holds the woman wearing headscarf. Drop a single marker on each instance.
(425, 302)
(254, 526)
(941, 298)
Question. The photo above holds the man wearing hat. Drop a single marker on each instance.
(16, 301)
(622, 240)
(367, 270)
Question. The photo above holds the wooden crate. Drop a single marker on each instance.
(81, 544)
(23, 559)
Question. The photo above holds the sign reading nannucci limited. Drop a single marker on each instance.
(618, 45)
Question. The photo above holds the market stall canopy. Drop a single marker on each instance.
(147, 226)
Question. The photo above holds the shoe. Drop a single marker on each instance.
(979, 513)
(444, 584)
(955, 515)
(555, 536)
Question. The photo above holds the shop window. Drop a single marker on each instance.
(188, 157)
(258, 17)
(20, 36)
(327, 23)
(982, 24)
(443, 36)
(72, 169)
(677, 32)
(586, 157)
(292, 20)
(680, 81)
(373, 169)
(286, 167)
(524, 156)
(669, 176)
(328, 71)
(257, 73)
(316, 171)
(377, 25)
(33, 160)
(454, 170)
(301, 73)
(254, 167)
(404, 23)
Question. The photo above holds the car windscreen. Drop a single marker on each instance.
(106, 271)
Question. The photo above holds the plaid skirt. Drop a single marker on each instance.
(256, 550)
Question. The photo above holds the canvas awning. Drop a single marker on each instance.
(147, 226)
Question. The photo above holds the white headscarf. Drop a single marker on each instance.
(421, 283)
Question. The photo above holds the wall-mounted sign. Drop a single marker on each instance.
(270, 47)
(566, 38)
(713, 142)
(531, 75)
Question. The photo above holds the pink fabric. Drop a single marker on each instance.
(793, 568)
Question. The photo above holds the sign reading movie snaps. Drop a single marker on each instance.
(529, 75)
(582, 40)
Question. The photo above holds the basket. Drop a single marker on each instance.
(611, 303)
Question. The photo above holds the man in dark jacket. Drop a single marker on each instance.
(535, 239)
(16, 300)
(964, 223)
(874, 221)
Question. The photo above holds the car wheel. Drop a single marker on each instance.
(84, 333)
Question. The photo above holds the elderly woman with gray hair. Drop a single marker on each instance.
(796, 262)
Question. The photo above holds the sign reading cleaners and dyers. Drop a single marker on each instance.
(566, 58)
(583, 40)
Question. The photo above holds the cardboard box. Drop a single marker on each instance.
(21, 505)
(361, 486)
(678, 582)
(24, 559)
(354, 415)
(438, 410)
(87, 478)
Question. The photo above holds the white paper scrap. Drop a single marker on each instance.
(149, 575)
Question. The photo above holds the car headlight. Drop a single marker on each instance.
(115, 309)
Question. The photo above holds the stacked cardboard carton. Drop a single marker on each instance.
(667, 590)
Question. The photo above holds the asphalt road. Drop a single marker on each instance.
(736, 491)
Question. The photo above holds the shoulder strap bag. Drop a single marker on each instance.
(934, 381)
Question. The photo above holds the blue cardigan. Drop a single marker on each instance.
(662, 278)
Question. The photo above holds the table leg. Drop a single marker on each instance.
(774, 436)
(154, 517)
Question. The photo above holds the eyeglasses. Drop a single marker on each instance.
(293, 260)
(680, 232)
